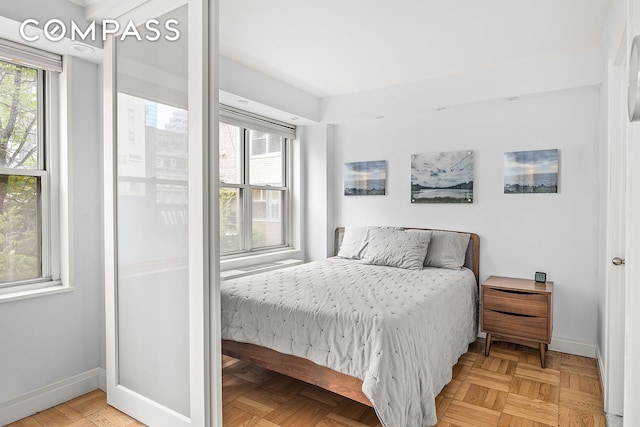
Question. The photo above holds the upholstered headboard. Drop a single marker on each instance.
(472, 259)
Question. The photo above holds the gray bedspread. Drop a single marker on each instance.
(398, 330)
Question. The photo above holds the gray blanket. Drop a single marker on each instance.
(398, 330)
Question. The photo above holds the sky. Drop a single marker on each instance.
(530, 162)
(443, 169)
(164, 114)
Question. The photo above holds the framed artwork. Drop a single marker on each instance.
(445, 177)
(365, 178)
(531, 171)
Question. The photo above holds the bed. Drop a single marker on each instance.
(359, 329)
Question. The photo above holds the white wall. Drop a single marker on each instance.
(52, 347)
(51, 338)
(267, 95)
(317, 147)
(520, 234)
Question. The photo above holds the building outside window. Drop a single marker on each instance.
(152, 179)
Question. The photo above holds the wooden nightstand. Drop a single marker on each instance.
(518, 311)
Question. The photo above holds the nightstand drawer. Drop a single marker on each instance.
(517, 302)
(516, 325)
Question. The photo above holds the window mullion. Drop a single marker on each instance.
(228, 185)
(22, 172)
(52, 166)
(247, 226)
(284, 161)
(286, 196)
(45, 226)
(268, 187)
(40, 122)
(43, 165)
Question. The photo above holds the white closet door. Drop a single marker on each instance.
(161, 271)
(617, 140)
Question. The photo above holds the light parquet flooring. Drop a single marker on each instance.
(510, 389)
(506, 389)
(89, 410)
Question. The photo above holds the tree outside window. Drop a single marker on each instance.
(21, 174)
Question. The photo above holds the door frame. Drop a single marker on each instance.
(617, 136)
(204, 282)
(632, 289)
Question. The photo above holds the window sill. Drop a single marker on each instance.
(260, 268)
(50, 288)
(252, 264)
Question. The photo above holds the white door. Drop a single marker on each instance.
(632, 290)
(616, 231)
(161, 272)
(632, 295)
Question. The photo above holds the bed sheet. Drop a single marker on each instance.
(399, 331)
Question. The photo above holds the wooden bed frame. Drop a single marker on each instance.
(309, 372)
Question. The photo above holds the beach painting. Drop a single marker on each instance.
(531, 171)
(445, 177)
(365, 178)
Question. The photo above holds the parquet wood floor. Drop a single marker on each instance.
(506, 389)
(89, 410)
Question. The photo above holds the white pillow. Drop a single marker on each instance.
(447, 250)
(352, 242)
(396, 248)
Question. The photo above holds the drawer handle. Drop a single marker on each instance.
(513, 314)
(508, 291)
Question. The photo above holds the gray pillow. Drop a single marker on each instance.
(352, 242)
(396, 248)
(447, 249)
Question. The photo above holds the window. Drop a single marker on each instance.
(27, 184)
(258, 146)
(254, 184)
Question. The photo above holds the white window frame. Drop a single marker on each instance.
(246, 198)
(52, 156)
(247, 122)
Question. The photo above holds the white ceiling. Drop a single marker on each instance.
(334, 47)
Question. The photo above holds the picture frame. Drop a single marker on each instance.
(365, 178)
(442, 177)
(534, 171)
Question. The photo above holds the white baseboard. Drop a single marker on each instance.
(54, 394)
(600, 367)
(103, 380)
(614, 420)
(563, 345)
(579, 348)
